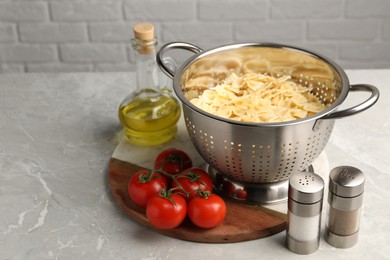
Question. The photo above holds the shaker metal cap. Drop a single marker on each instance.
(306, 187)
(346, 181)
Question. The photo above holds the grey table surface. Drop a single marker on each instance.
(57, 134)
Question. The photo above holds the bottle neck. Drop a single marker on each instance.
(146, 65)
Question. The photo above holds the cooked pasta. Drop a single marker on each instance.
(255, 97)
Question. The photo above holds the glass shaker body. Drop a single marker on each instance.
(345, 199)
(304, 212)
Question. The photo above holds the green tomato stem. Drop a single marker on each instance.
(167, 194)
(174, 178)
(144, 178)
(203, 193)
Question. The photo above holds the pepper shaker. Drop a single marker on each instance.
(345, 198)
(305, 196)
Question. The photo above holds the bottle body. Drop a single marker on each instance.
(149, 114)
(149, 117)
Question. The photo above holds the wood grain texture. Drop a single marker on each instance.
(242, 222)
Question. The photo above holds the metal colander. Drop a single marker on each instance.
(261, 153)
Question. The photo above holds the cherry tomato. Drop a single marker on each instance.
(228, 188)
(191, 180)
(241, 194)
(172, 161)
(144, 184)
(207, 211)
(166, 212)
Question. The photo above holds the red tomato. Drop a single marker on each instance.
(191, 180)
(228, 188)
(166, 212)
(144, 184)
(172, 161)
(208, 211)
(241, 194)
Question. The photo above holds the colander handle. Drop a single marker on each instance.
(173, 45)
(360, 107)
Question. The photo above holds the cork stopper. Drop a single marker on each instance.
(144, 31)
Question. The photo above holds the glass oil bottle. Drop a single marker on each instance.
(150, 114)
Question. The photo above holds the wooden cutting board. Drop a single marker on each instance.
(242, 222)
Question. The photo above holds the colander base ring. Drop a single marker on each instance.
(251, 193)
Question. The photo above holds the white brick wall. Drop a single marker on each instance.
(276, 31)
(8, 33)
(386, 29)
(52, 32)
(16, 11)
(86, 11)
(163, 10)
(346, 30)
(306, 9)
(233, 10)
(367, 9)
(28, 53)
(93, 35)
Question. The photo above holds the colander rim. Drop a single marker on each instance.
(319, 115)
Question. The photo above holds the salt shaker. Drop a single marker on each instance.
(305, 196)
(345, 199)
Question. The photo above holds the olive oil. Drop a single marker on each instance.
(149, 115)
